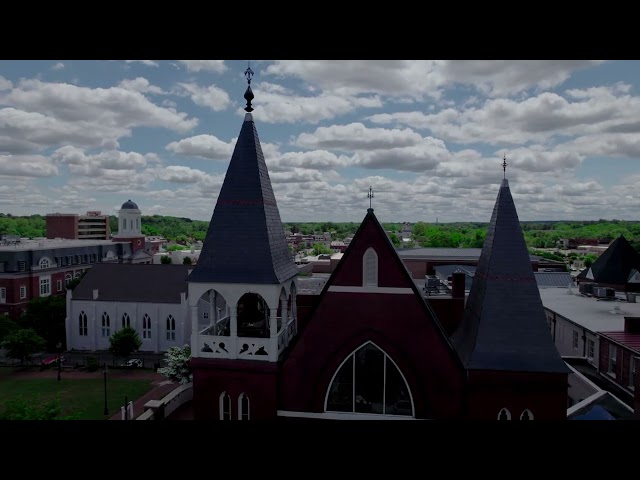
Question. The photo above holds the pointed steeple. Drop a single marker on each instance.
(245, 242)
(617, 265)
(504, 326)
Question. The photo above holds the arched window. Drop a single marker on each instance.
(171, 328)
(369, 381)
(106, 325)
(131, 224)
(67, 279)
(225, 406)
(146, 326)
(137, 223)
(126, 321)
(82, 321)
(504, 414)
(44, 263)
(370, 268)
(78, 274)
(526, 415)
(243, 407)
(124, 224)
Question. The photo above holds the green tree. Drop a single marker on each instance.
(7, 326)
(589, 259)
(187, 261)
(124, 342)
(320, 248)
(46, 315)
(22, 344)
(395, 240)
(178, 368)
(165, 259)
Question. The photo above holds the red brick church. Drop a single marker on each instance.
(373, 347)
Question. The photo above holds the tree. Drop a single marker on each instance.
(23, 343)
(7, 326)
(395, 240)
(187, 261)
(178, 368)
(46, 315)
(124, 342)
(165, 259)
(320, 248)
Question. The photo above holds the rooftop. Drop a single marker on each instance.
(626, 339)
(48, 244)
(591, 313)
(446, 253)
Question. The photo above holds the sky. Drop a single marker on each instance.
(429, 136)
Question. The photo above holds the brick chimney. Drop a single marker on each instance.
(632, 324)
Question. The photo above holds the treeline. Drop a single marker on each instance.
(461, 234)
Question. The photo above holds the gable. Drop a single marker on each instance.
(393, 315)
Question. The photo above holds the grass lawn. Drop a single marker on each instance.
(83, 397)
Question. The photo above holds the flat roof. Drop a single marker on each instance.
(49, 244)
(313, 284)
(445, 253)
(588, 312)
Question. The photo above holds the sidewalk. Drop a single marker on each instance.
(158, 393)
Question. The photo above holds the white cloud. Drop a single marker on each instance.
(316, 159)
(272, 106)
(141, 85)
(27, 165)
(355, 136)
(80, 163)
(203, 146)
(180, 174)
(417, 78)
(5, 84)
(58, 66)
(42, 115)
(215, 66)
(212, 96)
(534, 119)
(148, 63)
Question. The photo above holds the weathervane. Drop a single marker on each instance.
(504, 166)
(370, 196)
(248, 95)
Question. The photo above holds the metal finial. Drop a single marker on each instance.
(370, 196)
(249, 73)
(248, 95)
(504, 166)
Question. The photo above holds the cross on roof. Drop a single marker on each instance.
(370, 196)
(504, 166)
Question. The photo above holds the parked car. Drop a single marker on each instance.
(51, 361)
(134, 362)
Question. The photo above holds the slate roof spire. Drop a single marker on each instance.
(505, 326)
(245, 242)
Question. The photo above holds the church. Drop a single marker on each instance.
(372, 347)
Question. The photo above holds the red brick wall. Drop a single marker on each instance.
(417, 268)
(65, 226)
(257, 380)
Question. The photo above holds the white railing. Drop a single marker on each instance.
(253, 348)
(220, 324)
(214, 346)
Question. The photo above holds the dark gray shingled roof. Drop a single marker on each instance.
(129, 205)
(615, 264)
(121, 282)
(504, 326)
(245, 242)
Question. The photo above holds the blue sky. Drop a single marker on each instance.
(428, 135)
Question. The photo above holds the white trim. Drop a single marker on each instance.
(356, 289)
(370, 272)
(504, 410)
(221, 405)
(352, 354)
(343, 416)
(240, 412)
(530, 414)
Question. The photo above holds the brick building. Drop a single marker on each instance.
(91, 226)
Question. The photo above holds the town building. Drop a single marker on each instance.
(91, 226)
(33, 268)
(112, 296)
